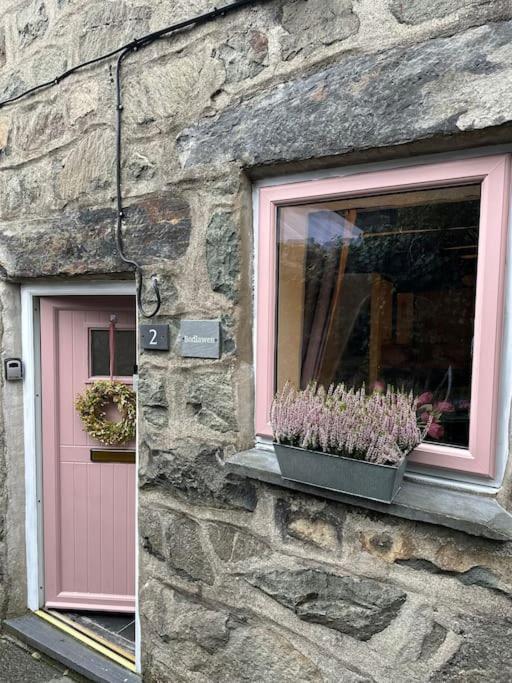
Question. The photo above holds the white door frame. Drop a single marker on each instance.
(30, 343)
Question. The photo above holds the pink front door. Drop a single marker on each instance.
(88, 507)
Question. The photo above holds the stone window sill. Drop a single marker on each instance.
(474, 514)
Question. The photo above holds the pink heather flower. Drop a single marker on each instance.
(436, 431)
(380, 427)
(424, 398)
(379, 386)
(444, 407)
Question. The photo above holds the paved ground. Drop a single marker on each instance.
(20, 665)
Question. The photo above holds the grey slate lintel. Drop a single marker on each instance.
(63, 648)
(474, 514)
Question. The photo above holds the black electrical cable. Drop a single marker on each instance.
(118, 231)
(133, 45)
(123, 51)
(61, 77)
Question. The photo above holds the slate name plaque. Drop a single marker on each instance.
(200, 338)
(154, 337)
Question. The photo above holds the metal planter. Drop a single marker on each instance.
(336, 473)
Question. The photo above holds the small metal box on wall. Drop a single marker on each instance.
(200, 338)
(13, 369)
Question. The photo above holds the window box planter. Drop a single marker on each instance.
(336, 473)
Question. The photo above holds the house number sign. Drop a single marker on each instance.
(154, 337)
(200, 338)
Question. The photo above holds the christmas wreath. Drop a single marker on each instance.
(91, 404)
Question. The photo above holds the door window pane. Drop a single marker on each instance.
(380, 291)
(124, 353)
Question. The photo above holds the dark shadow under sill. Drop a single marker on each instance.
(474, 514)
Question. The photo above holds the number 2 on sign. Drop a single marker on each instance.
(153, 337)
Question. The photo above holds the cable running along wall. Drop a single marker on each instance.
(123, 51)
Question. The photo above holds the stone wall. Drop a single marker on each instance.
(242, 581)
(12, 501)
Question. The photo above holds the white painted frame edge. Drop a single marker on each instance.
(32, 432)
(446, 479)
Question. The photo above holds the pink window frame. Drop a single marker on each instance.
(493, 174)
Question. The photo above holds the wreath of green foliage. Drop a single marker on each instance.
(91, 408)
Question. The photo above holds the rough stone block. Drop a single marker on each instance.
(432, 641)
(223, 255)
(228, 335)
(418, 11)
(362, 102)
(31, 22)
(80, 242)
(22, 193)
(184, 635)
(152, 389)
(196, 643)
(178, 618)
(88, 167)
(171, 92)
(485, 654)
(156, 416)
(45, 62)
(81, 102)
(232, 544)
(151, 532)
(316, 531)
(37, 126)
(387, 546)
(12, 84)
(310, 520)
(140, 167)
(194, 473)
(244, 55)
(210, 399)
(263, 654)
(183, 547)
(312, 24)
(359, 608)
(158, 227)
(475, 576)
(100, 20)
(152, 398)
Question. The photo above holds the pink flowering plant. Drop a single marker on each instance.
(432, 412)
(380, 427)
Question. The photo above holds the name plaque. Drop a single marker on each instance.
(200, 338)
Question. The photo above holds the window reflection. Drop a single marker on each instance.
(124, 353)
(381, 290)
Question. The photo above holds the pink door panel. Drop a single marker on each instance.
(89, 507)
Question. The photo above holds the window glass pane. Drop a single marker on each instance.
(124, 353)
(381, 291)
